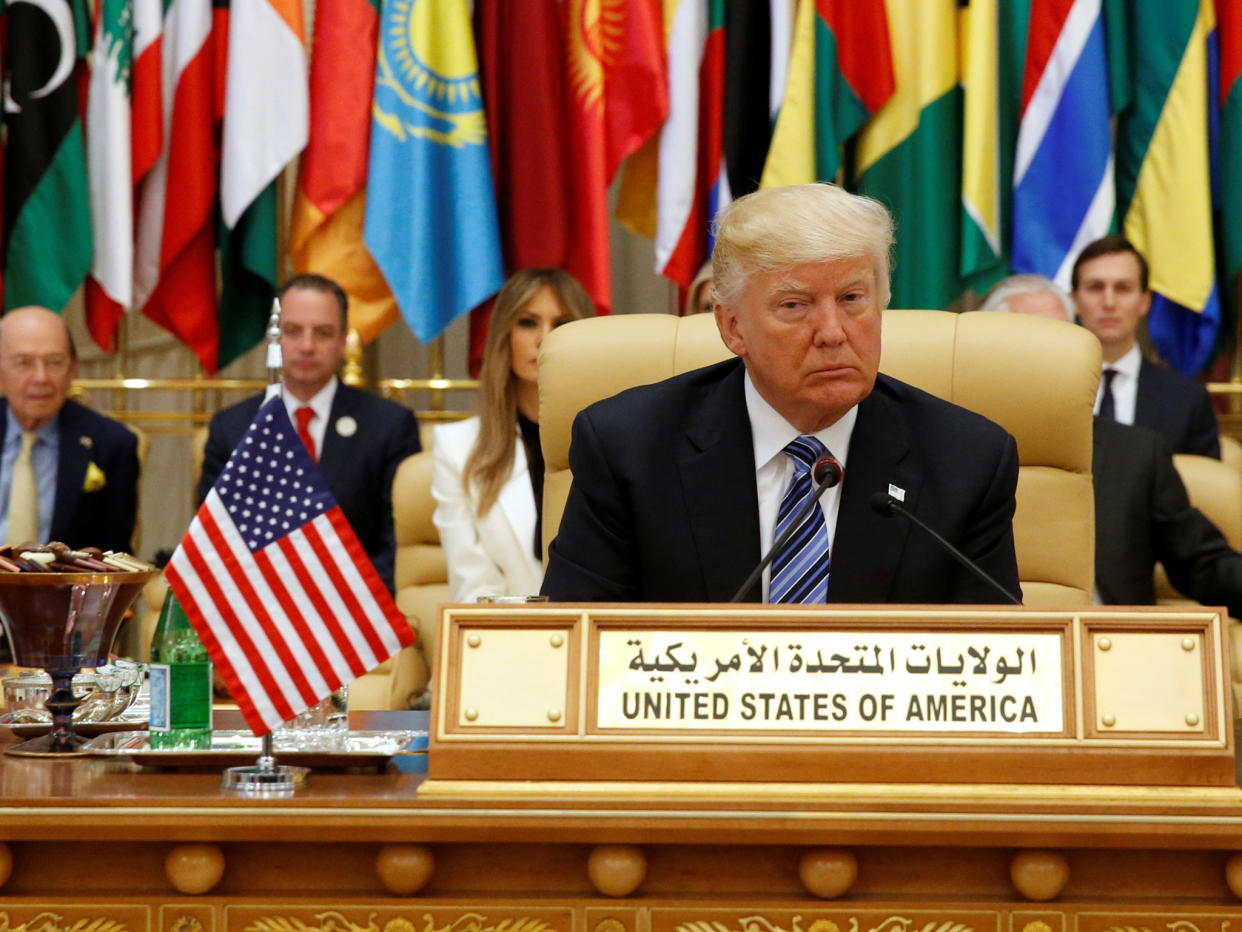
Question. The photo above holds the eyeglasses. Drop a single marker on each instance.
(55, 364)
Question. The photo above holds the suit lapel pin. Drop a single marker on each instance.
(897, 492)
(86, 441)
(346, 426)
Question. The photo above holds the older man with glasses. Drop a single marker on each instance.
(67, 473)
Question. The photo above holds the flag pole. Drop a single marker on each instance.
(265, 777)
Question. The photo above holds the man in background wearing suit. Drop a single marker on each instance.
(680, 486)
(1112, 296)
(357, 439)
(66, 472)
(1142, 512)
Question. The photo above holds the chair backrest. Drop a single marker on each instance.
(1037, 378)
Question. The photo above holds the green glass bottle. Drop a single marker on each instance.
(180, 682)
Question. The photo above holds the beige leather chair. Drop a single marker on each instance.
(1231, 452)
(1036, 378)
(1215, 489)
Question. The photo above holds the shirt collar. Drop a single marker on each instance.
(320, 402)
(771, 433)
(1128, 364)
(48, 433)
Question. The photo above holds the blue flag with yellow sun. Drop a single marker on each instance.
(431, 210)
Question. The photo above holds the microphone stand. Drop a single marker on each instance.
(780, 541)
(887, 505)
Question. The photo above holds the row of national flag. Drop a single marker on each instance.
(127, 179)
(1014, 133)
(439, 148)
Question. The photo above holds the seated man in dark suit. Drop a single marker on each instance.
(66, 472)
(357, 439)
(1142, 512)
(1112, 298)
(680, 486)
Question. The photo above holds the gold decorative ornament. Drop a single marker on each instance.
(610, 925)
(51, 922)
(1188, 644)
(1105, 643)
(186, 924)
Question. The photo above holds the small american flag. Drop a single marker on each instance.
(272, 577)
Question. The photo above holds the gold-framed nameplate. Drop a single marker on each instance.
(844, 694)
(848, 680)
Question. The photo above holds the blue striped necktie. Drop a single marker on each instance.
(800, 570)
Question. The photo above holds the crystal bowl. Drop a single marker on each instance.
(105, 694)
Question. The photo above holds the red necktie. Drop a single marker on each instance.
(304, 415)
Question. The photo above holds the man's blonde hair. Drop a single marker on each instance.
(775, 229)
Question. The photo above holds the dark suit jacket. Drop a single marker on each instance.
(1177, 408)
(1142, 515)
(105, 517)
(358, 469)
(664, 506)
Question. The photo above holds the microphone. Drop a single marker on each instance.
(825, 474)
(885, 505)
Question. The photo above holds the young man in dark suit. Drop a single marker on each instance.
(1142, 512)
(680, 486)
(1111, 292)
(357, 439)
(67, 473)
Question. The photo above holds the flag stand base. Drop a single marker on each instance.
(265, 777)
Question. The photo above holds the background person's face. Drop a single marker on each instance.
(541, 315)
(36, 366)
(1111, 302)
(312, 341)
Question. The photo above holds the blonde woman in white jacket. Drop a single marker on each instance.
(488, 469)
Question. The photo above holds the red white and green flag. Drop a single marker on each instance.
(175, 263)
(118, 151)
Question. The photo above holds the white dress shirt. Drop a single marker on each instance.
(321, 404)
(771, 433)
(1125, 385)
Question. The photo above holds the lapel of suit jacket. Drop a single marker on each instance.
(1147, 400)
(517, 504)
(73, 457)
(334, 457)
(719, 460)
(866, 546)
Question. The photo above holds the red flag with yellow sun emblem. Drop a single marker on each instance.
(617, 97)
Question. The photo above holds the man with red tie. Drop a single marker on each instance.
(357, 439)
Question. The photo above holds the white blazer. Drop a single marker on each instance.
(488, 556)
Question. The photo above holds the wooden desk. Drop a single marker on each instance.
(102, 846)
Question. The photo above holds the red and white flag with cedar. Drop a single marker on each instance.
(276, 583)
(122, 106)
